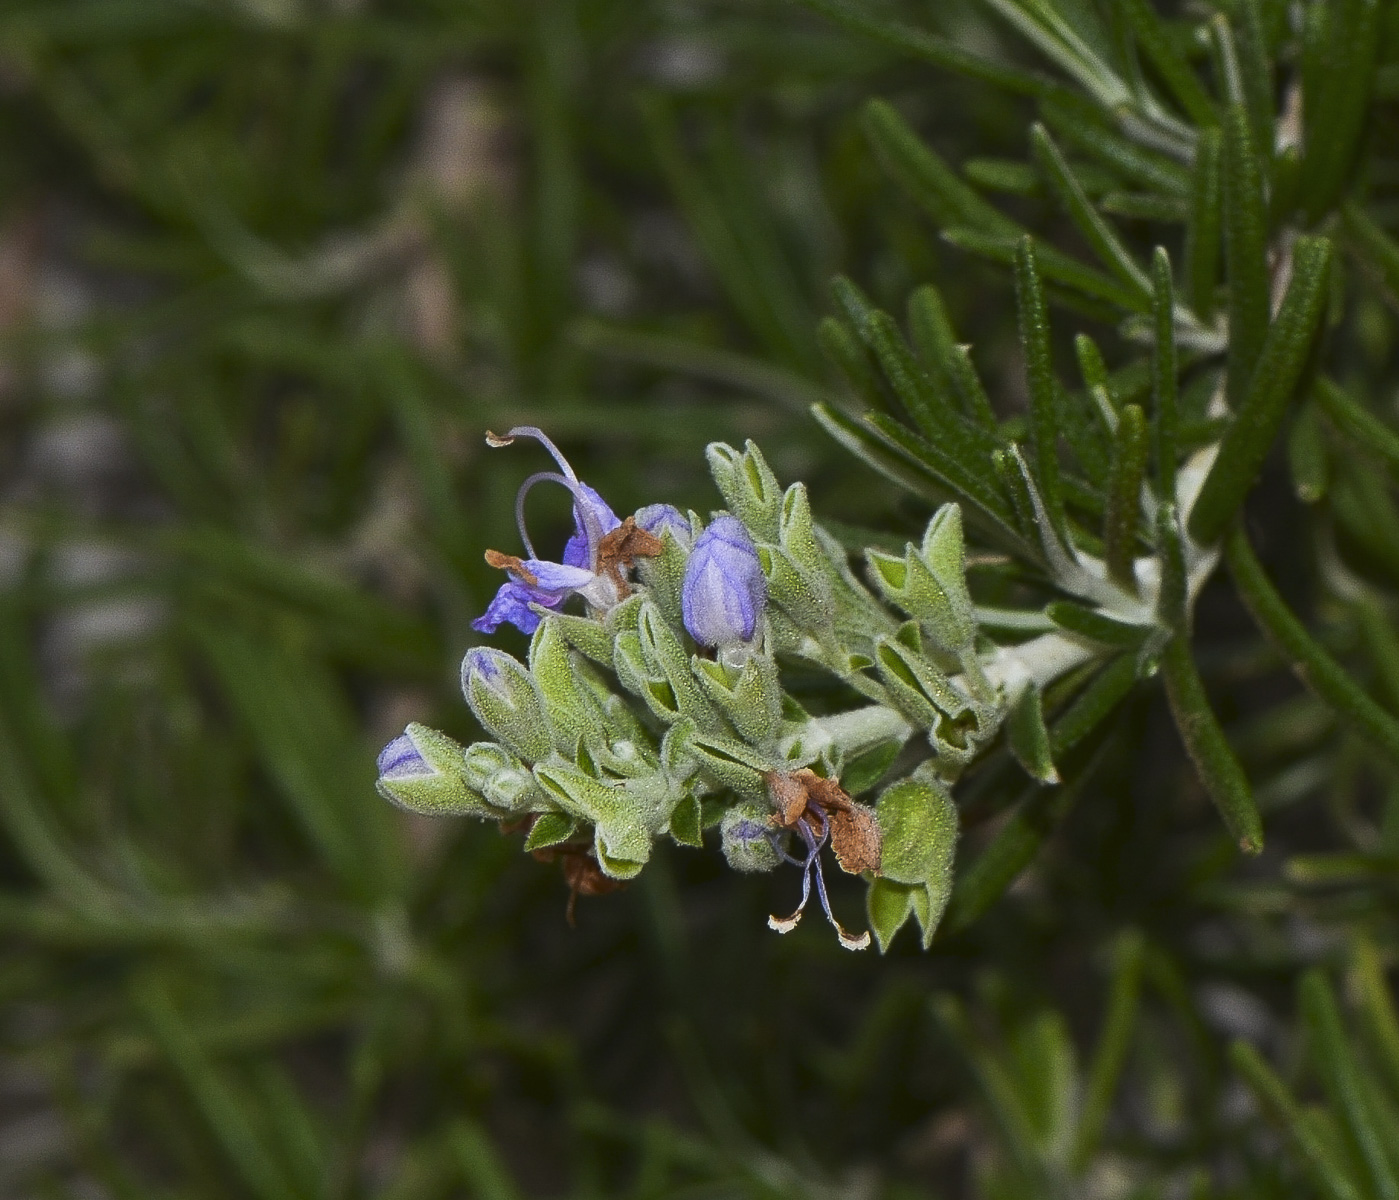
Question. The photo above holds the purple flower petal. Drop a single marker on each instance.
(557, 577)
(511, 606)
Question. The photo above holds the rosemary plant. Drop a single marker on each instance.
(359, 364)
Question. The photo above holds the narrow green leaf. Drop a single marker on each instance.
(938, 51)
(1372, 249)
(224, 1111)
(1208, 748)
(1108, 688)
(479, 1163)
(735, 234)
(1040, 810)
(1072, 198)
(1039, 376)
(1327, 1171)
(1096, 379)
(1004, 1097)
(957, 462)
(845, 352)
(1177, 74)
(1055, 266)
(1029, 739)
(1337, 99)
(1245, 251)
(1077, 123)
(1093, 626)
(1164, 373)
(1202, 235)
(936, 341)
(1306, 456)
(1340, 1073)
(1362, 427)
(932, 408)
(1036, 815)
(1255, 71)
(1171, 601)
(1376, 1005)
(1311, 662)
(921, 468)
(1264, 405)
(927, 178)
(1113, 1044)
(1124, 509)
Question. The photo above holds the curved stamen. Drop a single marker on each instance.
(787, 924)
(810, 865)
(533, 431)
(591, 529)
(846, 940)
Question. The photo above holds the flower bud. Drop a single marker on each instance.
(657, 519)
(724, 591)
(503, 779)
(663, 574)
(423, 771)
(748, 838)
(506, 701)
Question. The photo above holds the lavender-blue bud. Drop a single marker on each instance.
(657, 518)
(724, 591)
(401, 759)
(423, 771)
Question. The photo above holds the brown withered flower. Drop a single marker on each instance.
(818, 810)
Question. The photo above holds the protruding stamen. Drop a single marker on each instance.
(787, 924)
(813, 858)
(591, 529)
(531, 431)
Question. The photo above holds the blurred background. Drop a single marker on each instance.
(268, 271)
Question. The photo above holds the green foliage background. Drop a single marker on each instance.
(268, 268)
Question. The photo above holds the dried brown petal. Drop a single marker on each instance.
(826, 792)
(788, 795)
(583, 876)
(617, 550)
(856, 838)
(516, 566)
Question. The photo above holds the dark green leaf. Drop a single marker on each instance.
(1209, 749)
(1264, 405)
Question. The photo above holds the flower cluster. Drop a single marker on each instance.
(655, 707)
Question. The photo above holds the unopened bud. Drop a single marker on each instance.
(724, 591)
(506, 701)
(424, 771)
(748, 838)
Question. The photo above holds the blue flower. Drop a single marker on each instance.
(724, 592)
(595, 557)
(401, 759)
